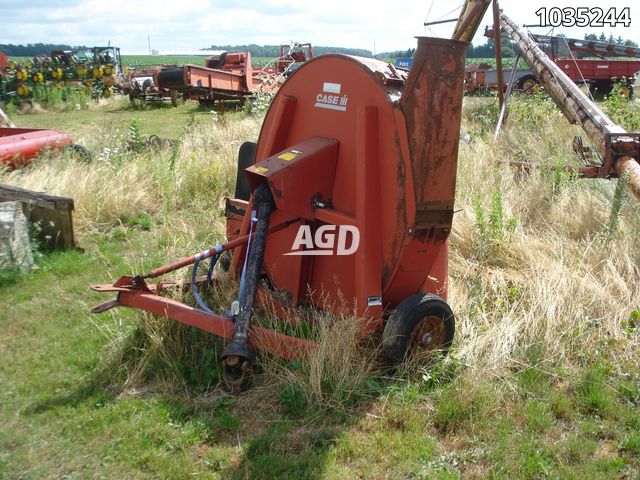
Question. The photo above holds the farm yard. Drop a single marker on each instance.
(286, 260)
(541, 381)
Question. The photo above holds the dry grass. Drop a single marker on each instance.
(120, 184)
(557, 281)
(547, 276)
(334, 376)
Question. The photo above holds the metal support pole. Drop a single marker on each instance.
(498, 43)
(439, 22)
(503, 110)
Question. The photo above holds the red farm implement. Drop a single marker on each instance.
(18, 146)
(141, 86)
(345, 204)
(598, 73)
(231, 76)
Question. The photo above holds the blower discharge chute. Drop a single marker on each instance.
(345, 204)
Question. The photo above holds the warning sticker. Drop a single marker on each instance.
(287, 156)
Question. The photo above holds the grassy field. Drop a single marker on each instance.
(542, 381)
(131, 60)
(153, 60)
(113, 117)
(156, 60)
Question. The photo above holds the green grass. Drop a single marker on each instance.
(116, 115)
(157, 60)
(62, 418)
(154, 60)
(122, 395)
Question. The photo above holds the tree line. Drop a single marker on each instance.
(33, 49)
(274, 50)
(508, 49)
(474, 51)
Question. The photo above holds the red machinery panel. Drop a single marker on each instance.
(576, 70)
(394, 176)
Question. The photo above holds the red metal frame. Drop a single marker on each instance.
(261, 338)
(237, 78)
(595, 70)
(19, 145)
(577, 69)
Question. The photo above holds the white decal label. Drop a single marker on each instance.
(331, 98)
(331, 87)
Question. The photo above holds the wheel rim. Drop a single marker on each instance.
(527, 85)
(427, 337)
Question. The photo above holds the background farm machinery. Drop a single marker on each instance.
(617, 150)
(140, 86)
(95, 71)
(98, 72)
(597, 73)
(231, 76)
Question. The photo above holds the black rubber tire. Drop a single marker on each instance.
(406, 317)
(600, 89)
(525, 79)
(80, 151)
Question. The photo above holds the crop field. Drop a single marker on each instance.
(130, 61)
(154, 60)
(157, 60)
(506, 62)
(542, 380)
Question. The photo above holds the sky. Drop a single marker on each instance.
(175, 25)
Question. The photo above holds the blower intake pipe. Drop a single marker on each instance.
(237, 358)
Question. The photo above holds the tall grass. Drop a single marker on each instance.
(123, 182)
(530, 266)
(555, 282)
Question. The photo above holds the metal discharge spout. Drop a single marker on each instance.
(432, 105)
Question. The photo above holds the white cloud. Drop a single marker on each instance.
(179, 25)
